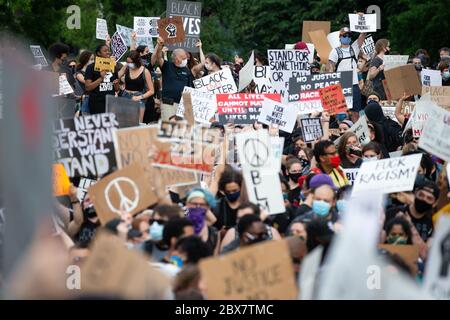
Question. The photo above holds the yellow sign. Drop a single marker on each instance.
(104, 64)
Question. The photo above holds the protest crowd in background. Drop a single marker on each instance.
(279, 175)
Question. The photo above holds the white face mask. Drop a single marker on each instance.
(367, 159)
(183, 63)
(131, 66)
(208, 66)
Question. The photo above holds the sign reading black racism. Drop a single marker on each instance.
(84, 145)
(191, 13)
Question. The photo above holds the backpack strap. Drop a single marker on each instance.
(340, 57)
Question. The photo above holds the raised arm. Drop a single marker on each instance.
(398, 109)
(157, 56)
(133, 41)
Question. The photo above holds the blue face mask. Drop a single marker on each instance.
(321, 208)
(341, 116)
(156, 231)
(341, 205)
(345, 40)
(446, 75)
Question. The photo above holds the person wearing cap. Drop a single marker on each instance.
(345, 58)
(344, 126)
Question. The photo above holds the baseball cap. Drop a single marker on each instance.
(321, 179)
(423, 183)
(301, 46)
(344, 30)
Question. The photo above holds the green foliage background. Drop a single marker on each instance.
(234, 26)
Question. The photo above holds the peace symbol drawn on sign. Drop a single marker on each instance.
(256, 152)
(126, 203)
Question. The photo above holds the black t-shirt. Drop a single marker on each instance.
(174, 80)
(301, 210)
(97, 97)
(377, 81)
(294, 196)
(424, 225)
(226, 216)
(86, 232)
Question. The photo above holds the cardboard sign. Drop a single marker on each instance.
(191, 13)
(437, 273)
(64, 85)
(104, 64)
(146, 27)
(392, 61)
(39, 55)
(260, 169)
(285, 64)
(114, 271)
(388, 175)
(440, 95)
(242, 108)
(263, 83)
(188, 111)
(311, 129)
(363, 23)
(260, 272)
(408, 252)
(246, 73)
(171, 30)
(333, 99)
(351, 175)
(368, 47)
(133, 145)
(282, 115)
(125, 32)
(203, 105)
(361, 129)
(84, 145)
(101, 29)
(63, 107)
(219, 82)
(124, 190)
(322, 45)
(308, 26)
(431, 78)
(436, 133)
(118, 45)
(191, 148)
(126, 110)
(305, 90)
(403, 79)
(61, 182)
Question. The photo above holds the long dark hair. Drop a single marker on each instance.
(85, 56)
(135, 56)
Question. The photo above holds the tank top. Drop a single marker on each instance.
(137, 84)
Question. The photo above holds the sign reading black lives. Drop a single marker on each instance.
(311, 129)
(84, 145)
(191, 13)
(126, 110)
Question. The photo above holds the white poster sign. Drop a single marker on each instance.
(125, 32)
(247, 72)
(64, 85)
(363, 23)
(204, 105)
(361, 129)
(435, 136)
(351, 175)
(101, 29)
(146, 26)
(283, 115)
(219, 82)
(431, 77)
(391, 61)
(39, 55)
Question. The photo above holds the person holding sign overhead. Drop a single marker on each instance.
(100, 84)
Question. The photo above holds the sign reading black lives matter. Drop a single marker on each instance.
(84, 145)
(191, 13)
(311, 129)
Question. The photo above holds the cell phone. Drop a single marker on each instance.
(355, 152)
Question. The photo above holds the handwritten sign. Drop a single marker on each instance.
(104, 64)
(282, 115)
(101, 29)
(431, 78)
(64, 85)
(219, 82)
(171, 30)
(363, 23)
(263, 84)
(203, 105)
(391, 61)
(361, 129)
(440, 95)
(333, 99)
(311, 129)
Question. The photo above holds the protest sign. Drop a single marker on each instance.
(363, 23)
(388, 175)
(259, 272)
(311, 129)
(421, 115)
(285, 64)
(38, 55)
(436, 132)
(219, 82)
(282, 115)
(241, 108)
(408, 252)
(191, 148)
(390, 61)
(361, 129)
(63, 107)
(101, 29)
(146, 27)
(333, 99)
(104, 64)
(191, 12)
(61, 182)
(83, 187)
(276, 145)
(133, 145)
(437, 272)
(403, 79)
(64, 85)
(263, 83)
(146, 41)
(368, 47)
(118, 45)
(114, 271)
(260, 170)
(305, 90)
(188, 114)
(333, 39)
(171, 30)
(84, 145)
(125, 190)
(203, 105)
(351, 175)
(322, 45)
(246, 73)
(440, 95)
(125, 32)
(431, 78)
(314, 26)
(126, 110)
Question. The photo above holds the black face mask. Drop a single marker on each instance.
(90, 212)
(422, 206)
(294, 176)
(418, 67)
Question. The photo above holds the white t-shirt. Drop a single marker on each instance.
(347, 64)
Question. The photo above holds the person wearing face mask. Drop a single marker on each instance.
(138, 81)
(197, 207)
(328, 162)
(398, 232)
(85, 232)
(376, 70)
(371, 152)
(345, 58)
(445, 72)
(349, 151)
(58, 53)
(294, 170)
(175, 76)
(419, 213)
(324, 202)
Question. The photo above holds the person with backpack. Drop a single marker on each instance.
(345, 58)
